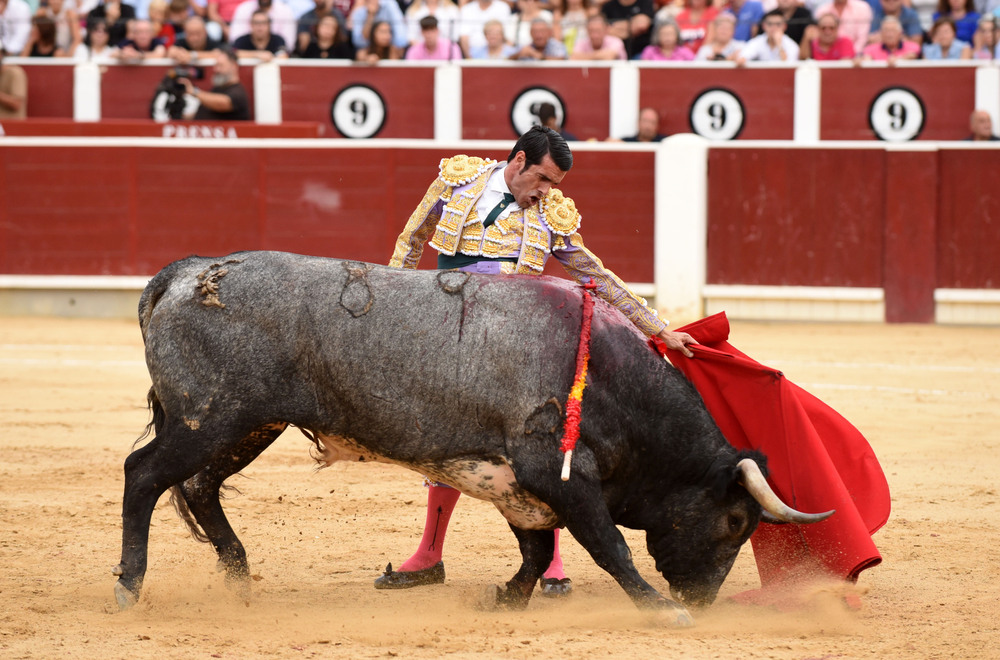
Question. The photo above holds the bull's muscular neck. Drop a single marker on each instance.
(649, 427)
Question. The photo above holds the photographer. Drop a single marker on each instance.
(228, 99)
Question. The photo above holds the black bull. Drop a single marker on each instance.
(460, 377)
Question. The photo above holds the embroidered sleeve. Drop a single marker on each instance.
(453, 172)
(410, 244)
(582, 264)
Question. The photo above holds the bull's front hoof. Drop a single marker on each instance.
(125, 597)
(674, 614)
(668, 612)
(679, 618)
(494, 599)
(512, 598)
(239, 585)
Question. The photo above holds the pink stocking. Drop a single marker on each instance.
(441, 502)
(555, 570)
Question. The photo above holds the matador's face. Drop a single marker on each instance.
(529, 185)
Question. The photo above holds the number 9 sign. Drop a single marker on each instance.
(717, 114)
(358, 111)
(896, 115)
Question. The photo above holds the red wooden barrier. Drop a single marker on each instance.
(50, 90)
(711, 98)
(802, 217)
(491, 95)
(131, 210)
(944, 96)
(968, 225)
(904, 221)
(911, 195)
(369, 101)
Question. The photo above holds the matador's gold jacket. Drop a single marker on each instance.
(447, 214)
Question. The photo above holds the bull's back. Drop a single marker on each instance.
(362, 350)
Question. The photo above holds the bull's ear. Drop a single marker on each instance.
(723, 479)
(725, 475)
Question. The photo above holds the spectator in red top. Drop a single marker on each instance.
(162, 29)
(828, 44)
(695, 23)
(221, 12)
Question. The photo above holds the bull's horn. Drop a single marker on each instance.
(757, 486)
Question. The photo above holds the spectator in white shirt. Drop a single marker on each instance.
(474, 15)
(15, 25)
(771, 46)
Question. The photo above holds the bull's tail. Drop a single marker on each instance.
(156, 419)
(176, 495)
(184, 512)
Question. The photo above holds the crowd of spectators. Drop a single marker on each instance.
(374, 30)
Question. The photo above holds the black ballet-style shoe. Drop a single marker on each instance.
(406, 579)
(554, 587)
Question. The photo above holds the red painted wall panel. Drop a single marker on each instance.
(804, 217)
(64, 213)
(130, 211)
(968, 227)
(767, 96)
(910, 214)
(488, 95)
(614, 192)
(127, 91)
(408, 92)
(50, 90)
(948, 96)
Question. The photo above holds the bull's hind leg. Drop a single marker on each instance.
(175, 454)
(536, 555)
(201, 495)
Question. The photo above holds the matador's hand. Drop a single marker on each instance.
(677, 341)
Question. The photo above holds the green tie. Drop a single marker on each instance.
(498, 209)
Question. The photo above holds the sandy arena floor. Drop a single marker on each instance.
(72, 400)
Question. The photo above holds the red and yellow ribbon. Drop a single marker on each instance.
(574, 403)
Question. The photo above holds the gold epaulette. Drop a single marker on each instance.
(461, 169)
(560, 214)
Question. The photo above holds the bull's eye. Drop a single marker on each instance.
(735, 522)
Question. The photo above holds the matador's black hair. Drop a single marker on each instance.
(539, 142)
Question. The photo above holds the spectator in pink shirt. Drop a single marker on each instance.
(828, 44)
(667, 46)
(599, 45)
(891, 46)
(433, 46)
(855, 20)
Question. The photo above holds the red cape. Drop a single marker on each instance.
(817, 460)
